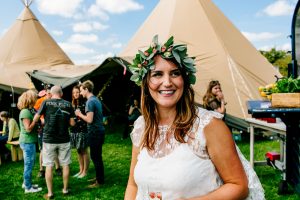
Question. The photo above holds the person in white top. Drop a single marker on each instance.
(179, 151)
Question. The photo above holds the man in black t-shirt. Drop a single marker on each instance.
(58, 115)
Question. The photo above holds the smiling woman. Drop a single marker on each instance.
(173, 131)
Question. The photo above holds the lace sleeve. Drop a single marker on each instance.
(205, 117)
(198, 143)
(137, 132)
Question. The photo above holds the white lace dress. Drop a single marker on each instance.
(182, 170)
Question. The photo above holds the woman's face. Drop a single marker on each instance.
(216, 89)
(166, 83)
(76, 93)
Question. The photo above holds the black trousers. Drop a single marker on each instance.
(96, 140)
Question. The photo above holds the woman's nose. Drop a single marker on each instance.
(167, 80)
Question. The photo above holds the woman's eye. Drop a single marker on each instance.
(156, 74)
(176, 73)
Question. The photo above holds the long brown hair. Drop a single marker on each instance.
(79, 101)
(209, 96)
(185, 112)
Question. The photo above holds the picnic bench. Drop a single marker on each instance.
(16, 151)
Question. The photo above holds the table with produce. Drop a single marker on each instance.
(284, 96)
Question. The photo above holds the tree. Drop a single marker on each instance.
(278, 58)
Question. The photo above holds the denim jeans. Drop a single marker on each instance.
(96, 140)
(29, 151)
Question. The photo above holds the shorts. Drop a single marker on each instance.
(52, 151)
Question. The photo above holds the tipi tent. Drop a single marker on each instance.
(222, 52)
(27, 47)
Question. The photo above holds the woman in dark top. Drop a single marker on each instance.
(79, 134)
(214, 98)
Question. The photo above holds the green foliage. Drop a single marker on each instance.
(282, 63)
(278, 58)
(288, 85)
(144, 61)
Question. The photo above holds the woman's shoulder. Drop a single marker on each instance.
(138, 131)
(207, 115)
(12, 121)
(204, 117)
(25, 111)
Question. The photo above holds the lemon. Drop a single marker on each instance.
(263, 94)
(261, 88)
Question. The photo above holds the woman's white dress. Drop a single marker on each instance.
(182, 170)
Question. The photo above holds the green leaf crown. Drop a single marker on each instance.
(144, 61)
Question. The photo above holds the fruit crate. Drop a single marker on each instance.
(285, 100)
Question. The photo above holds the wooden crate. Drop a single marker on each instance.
(286, 100)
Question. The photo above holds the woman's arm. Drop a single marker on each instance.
(11, 128)
(222, 151)
(130, 110)
(221, 109)
(88, 118)
(131, 190)
(28, 125)
(221, 99)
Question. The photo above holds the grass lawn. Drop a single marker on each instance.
(117, 154)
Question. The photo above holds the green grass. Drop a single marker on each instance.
(117, 155)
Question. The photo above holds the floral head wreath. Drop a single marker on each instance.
(144, 61)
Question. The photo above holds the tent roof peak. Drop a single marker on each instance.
(27, 3)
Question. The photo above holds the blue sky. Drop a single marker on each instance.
(91, 30)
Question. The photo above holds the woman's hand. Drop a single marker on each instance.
(220, 95)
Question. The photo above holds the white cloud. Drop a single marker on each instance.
(116, 45)
(284, 47)
(101, 57)
(71, 48)
(279, 8)
(116, 6)
(57, 32)
(99, 26)
(96, 59)
(65, 8)
(112, 39)
(83, 38)
(96, 11)
(88, 26)
(264, 36)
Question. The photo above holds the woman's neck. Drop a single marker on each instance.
(167, 116)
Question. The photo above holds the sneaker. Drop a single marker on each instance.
(58, 172)
(76, 175)
(33, 190)
(33, 185)
(81, 176)
(65, 192)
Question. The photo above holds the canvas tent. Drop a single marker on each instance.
(222, 52)
(27, 46)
